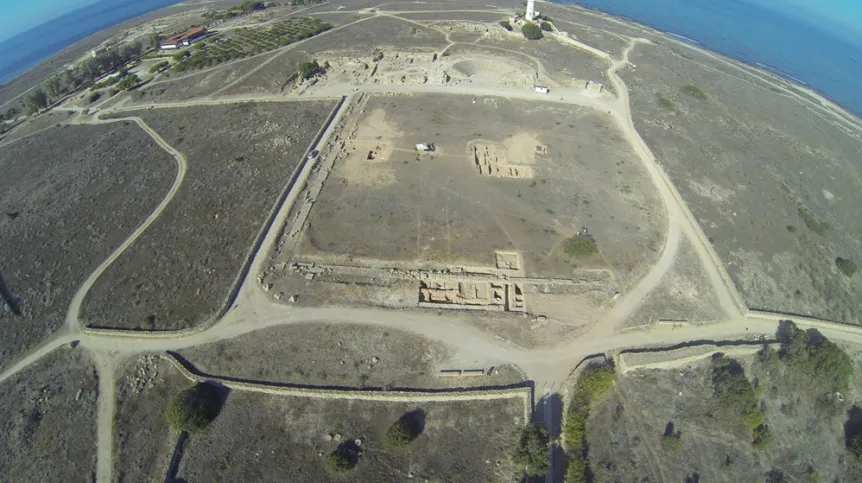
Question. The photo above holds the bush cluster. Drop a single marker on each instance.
(400, 435)
(694, 91)
(531, 31)
(819, 359)
(506, 25)
(846, 266)
(737, 397)
(309, 69)
(546, 26)
(593, 382)
(339, 462)
(533, 451)
(580, 246)
(193, 409)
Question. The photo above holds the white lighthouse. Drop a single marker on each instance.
(531, 10)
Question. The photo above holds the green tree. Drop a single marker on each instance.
(546, 26)
(309, 69)
(339, 462)
(193, 409)
(533, 451)
(846, 266)
(404, 431)
(817, 358)
(35, 100)
(580, 246)
(128, 82)
(531, 31)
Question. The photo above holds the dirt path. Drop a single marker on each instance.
(72, 315)
(105, 416)
(548, 367)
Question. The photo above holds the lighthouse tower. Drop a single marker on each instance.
(531, 10)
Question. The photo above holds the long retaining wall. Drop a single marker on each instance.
(524, 392)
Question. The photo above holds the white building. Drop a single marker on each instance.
(531, 11)
(542, 90)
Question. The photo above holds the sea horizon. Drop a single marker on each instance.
(804, 53)
(709, 24)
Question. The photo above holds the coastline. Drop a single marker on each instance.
(825, 102)
(27, 80)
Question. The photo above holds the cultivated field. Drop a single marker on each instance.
(438, 210)
(143, 441)
(68, 197)
(378, 32)
(775, 186)
(182, 86)
(337, 355)
(182, 270)
(49, 413)
(627, 429)
(275, 438)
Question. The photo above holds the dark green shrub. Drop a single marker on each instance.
(546, 26)
(506, 25)
(193, 409)
(694, 91)
(672, 443)
(819, 359)
(309, 69)
(813, 224)
(762, 437)
(339, 462)
(531, 31)
(533, 451)
(404, 431)
(846, 266)
(665, 102)
(580, 246)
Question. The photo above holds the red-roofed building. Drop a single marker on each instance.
(184, 39)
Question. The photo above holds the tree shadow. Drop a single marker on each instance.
(176, 457)
(10, 300)
(853, 426)
(549, 413)
(414, 421)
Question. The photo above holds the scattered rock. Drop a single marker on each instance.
(374, 360)
(279, 295)
(357, 442)
(336, 437)
(327, 437)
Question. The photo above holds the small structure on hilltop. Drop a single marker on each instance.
(531, 11)
(542, 89)
(183, 39)
(425, 147)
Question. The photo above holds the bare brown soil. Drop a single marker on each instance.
(68, 197)
(270, 438)
(684, 294)
(438, 209)
(49, 414)
(182, 270)
(337, 355)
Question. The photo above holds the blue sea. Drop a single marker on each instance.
(29, 48)
(819, 59)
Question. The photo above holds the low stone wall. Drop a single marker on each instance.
(523, 392)
(669, 359)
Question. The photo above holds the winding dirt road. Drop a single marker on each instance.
(548, 367)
